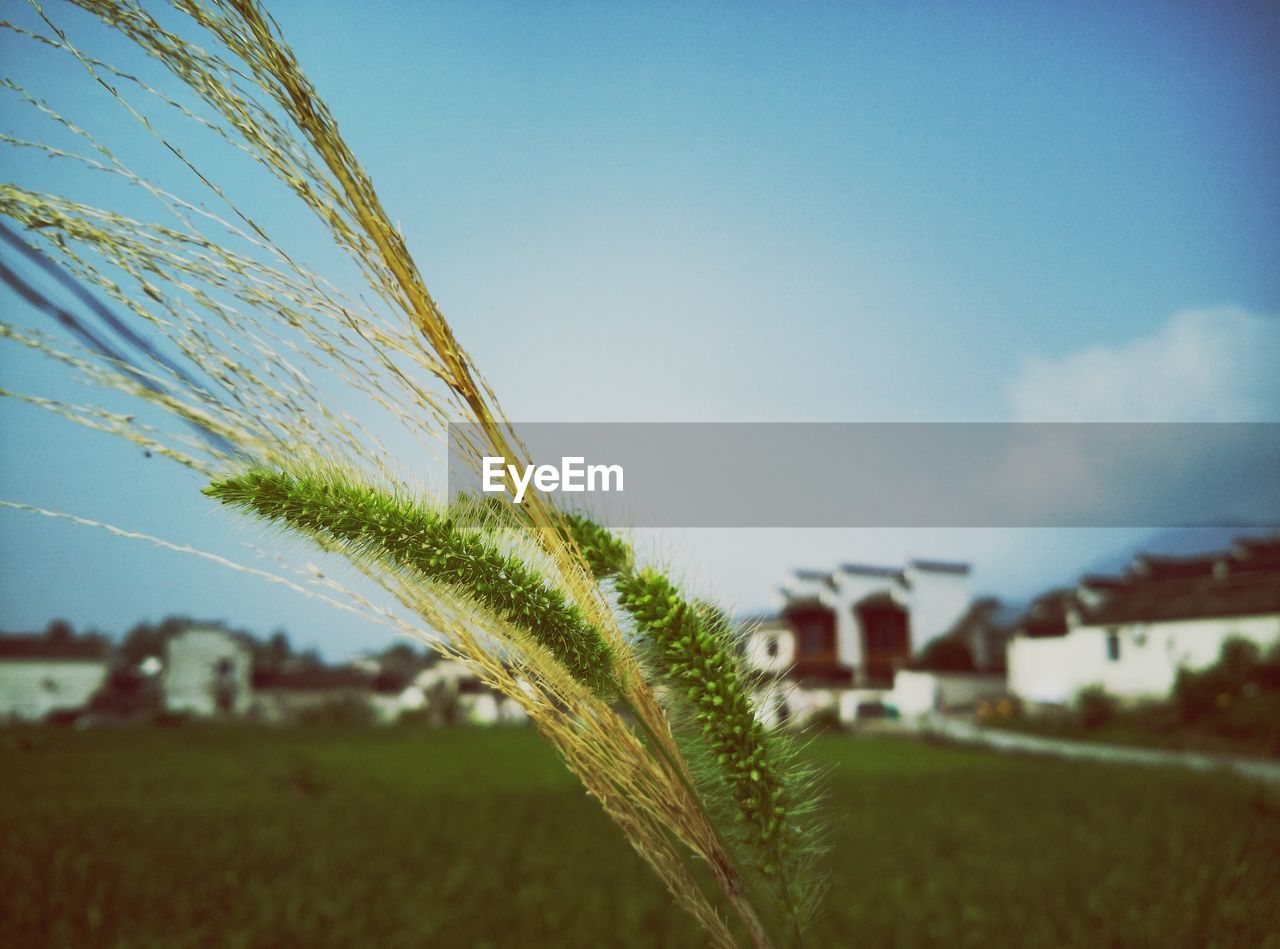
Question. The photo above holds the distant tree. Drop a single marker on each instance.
(274, 654)
(59, 631)
(96, 637)
(400, 653)
(1269, 669)
(173, 625)
(1095, 706)
(278, 647)
(1240, 669)
(945, 655)
(310, 659)
(1239, 661)
(399, 664)
(141, 641)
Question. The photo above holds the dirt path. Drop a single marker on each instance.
(967, 732)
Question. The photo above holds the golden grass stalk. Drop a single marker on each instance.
(253, 346)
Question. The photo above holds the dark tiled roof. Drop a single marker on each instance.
(940, 566)
(1255, 553)
(1047, 614)
(816, 576)
(1243, 593)
(807, 599)
(1147, 566)
(870, 570)
(36, 647)
(804, 604)
(1098, 582)
(1244, 581)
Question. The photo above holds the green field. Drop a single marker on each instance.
(209, 837)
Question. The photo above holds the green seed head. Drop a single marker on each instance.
(413, 537)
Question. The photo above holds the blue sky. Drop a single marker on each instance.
(771, 212)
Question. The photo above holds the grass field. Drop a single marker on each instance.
(213, 837)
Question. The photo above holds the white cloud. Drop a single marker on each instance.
(1203, 365)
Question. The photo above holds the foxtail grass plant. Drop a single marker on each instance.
(274, 388)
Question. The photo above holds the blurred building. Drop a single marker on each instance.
(207, 673)
(448, 693)
(45, 674)
(840, 637)
(1130, 634)
(319, 694)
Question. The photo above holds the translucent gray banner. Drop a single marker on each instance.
(889, 474)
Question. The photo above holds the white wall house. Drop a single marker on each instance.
(1131, 635)
(770, 646)
(37, 679)
(840, 637)
(931, 595)
(450, 685)
(207, 673)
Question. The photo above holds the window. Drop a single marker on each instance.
(771, 647)
(814, 639)
(814, 633)
(1113, 646)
